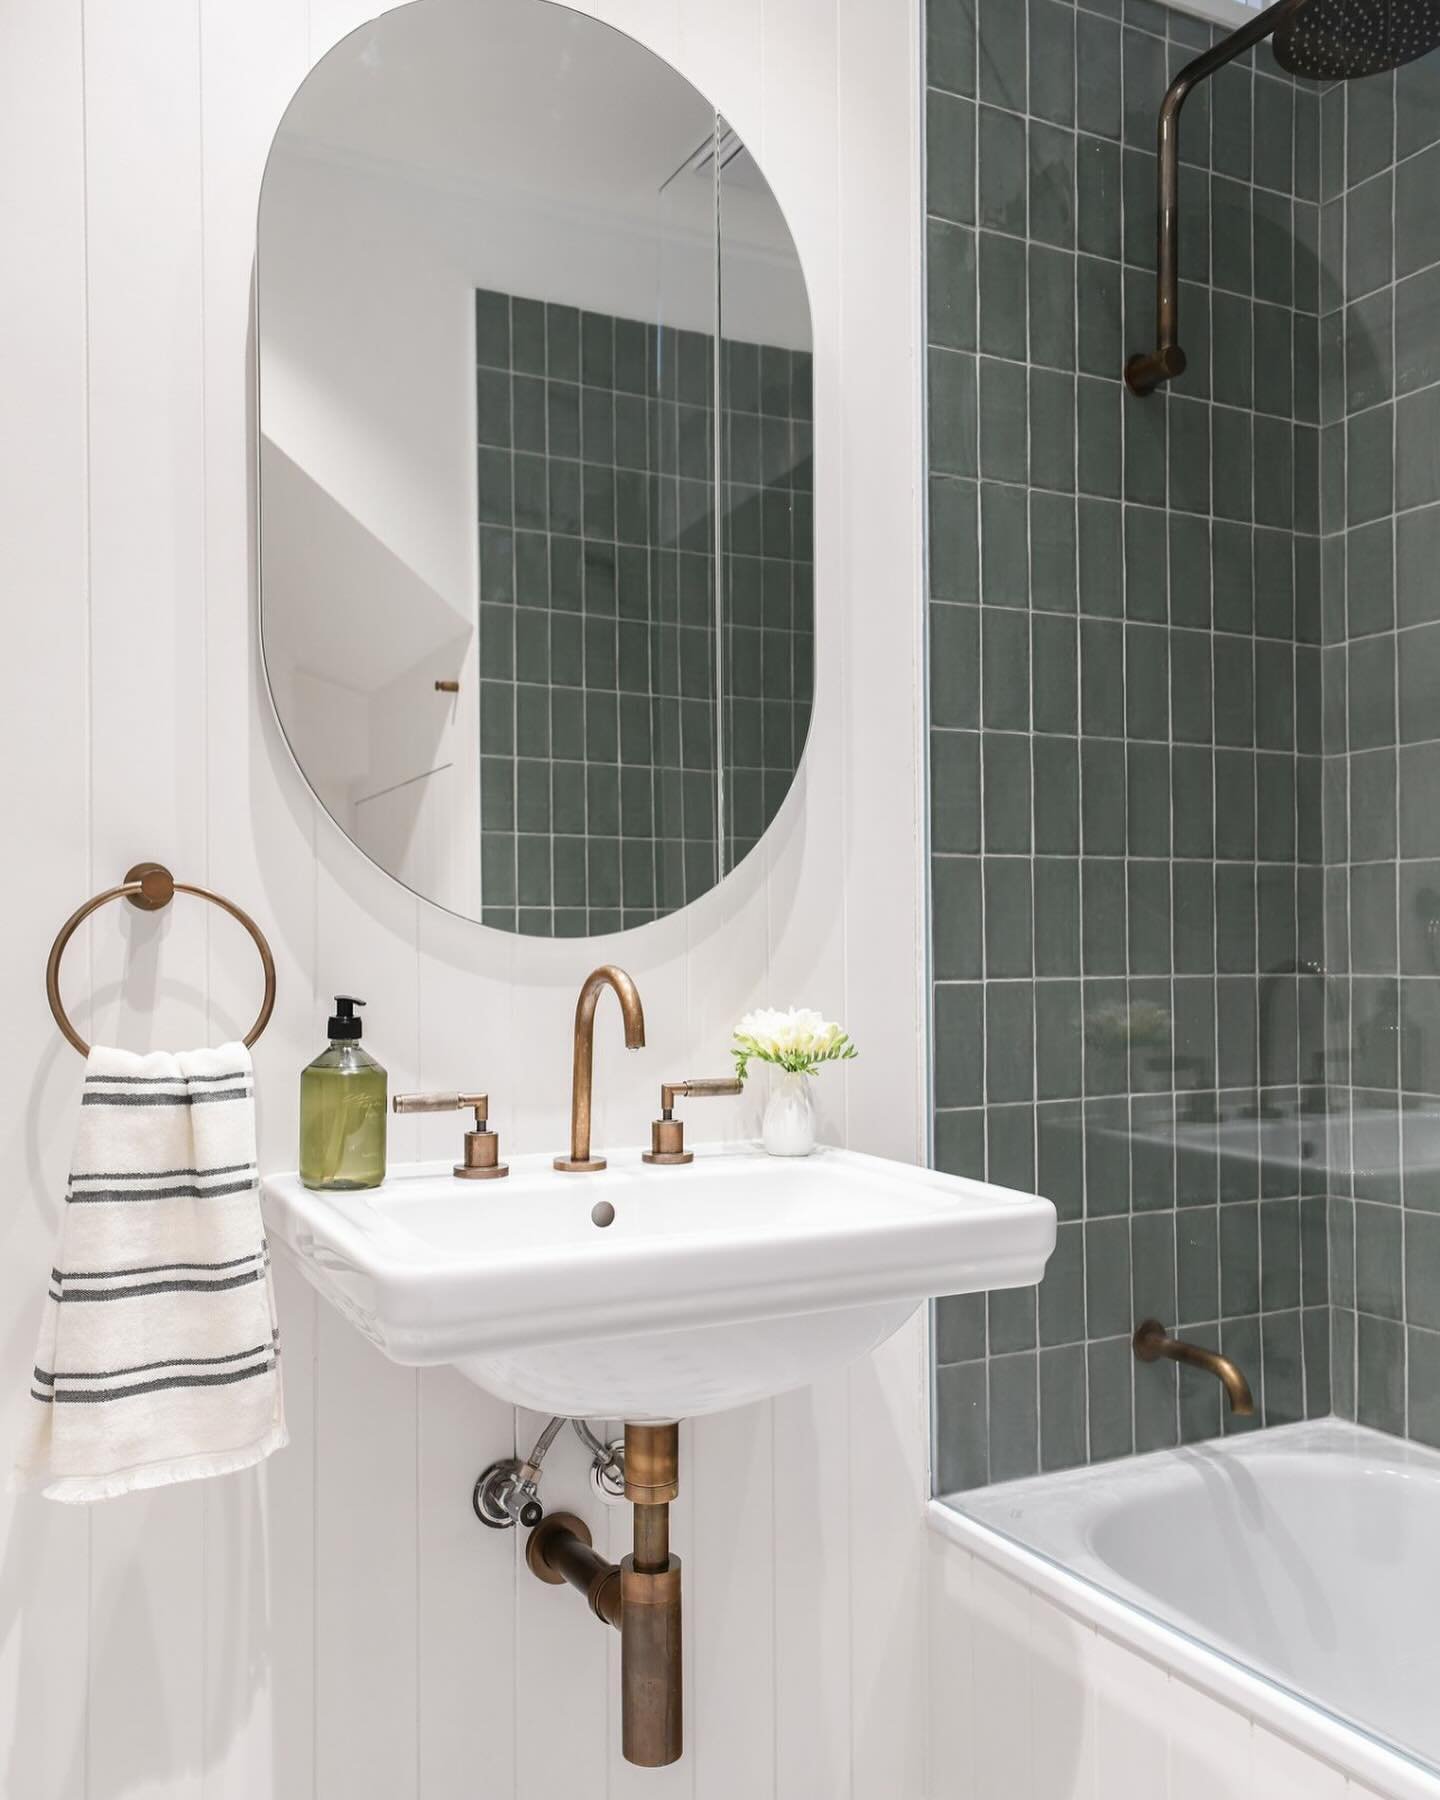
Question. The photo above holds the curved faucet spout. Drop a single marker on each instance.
(1152, 1341)
(580, 1161)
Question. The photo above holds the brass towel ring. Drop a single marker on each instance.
(150, 886)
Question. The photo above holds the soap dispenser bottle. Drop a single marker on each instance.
(343, 1109)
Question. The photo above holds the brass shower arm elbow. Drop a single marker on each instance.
(1147, 370)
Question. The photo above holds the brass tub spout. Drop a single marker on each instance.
(580, 1161)
(1152, 1341)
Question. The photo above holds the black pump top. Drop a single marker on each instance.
(343, 1023)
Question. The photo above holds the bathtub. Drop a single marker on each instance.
(1291, 1578)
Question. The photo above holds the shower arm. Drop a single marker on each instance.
(1147, 369)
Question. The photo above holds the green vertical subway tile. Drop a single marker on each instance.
(1274, 360)
(950, 158)
(1003, 431)
(955, 791)
(1274, 247)
(1002, 295)
(1100, 558)
(1146, 449)
(1063, 1434)
(1052, 303)
(1369, 238)
(1005, 786)
(951, 285)
(1004, 572)
(1098, 424)
(954, 413)
(1380, 1378)
(956, 917)
(1057, 915)
(1052, 430)
(1369, 350)
(1137, 202)
(954, 666)
(1232, 107)
(1189, 455)
(1005, 660)
(1231, 235)
(1145, 79)
(1098, 187)
(954, 540)
(1190, 570)
(1055, 663)
(1417, 566)
(1100, 344)
(958, 1045)
(1369, 127)
(1231, 437)
(1003, 173)
(1097, 69)
(1056, 773)
(1003, 62)
(1014, 1422)
(1417, 452)
(1052, 552)
(1052, 184)
(1009, 912)
(962, 1432)
(1416, 343)
(1052, 61)
(950, 46)
(1009, 1042)
(1146, 563)
(1277, 135)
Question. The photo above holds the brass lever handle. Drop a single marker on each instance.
(482, 1145)
(428, 1103)
(667, 1133)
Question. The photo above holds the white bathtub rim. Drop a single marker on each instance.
(1307, 1725)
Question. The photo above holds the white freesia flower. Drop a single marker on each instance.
(796, 1040)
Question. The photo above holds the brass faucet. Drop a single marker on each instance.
(1152, 1341)
(580, 1161)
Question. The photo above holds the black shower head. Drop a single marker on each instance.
(1334, 40)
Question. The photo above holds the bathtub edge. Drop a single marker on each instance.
(1357, 1757)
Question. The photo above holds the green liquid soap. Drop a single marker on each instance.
(343, 1110)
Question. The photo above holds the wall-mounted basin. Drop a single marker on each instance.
(731, 1279)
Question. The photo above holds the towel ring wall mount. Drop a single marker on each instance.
(150, 887)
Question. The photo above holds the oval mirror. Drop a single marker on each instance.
(536, 547)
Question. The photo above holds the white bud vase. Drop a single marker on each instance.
(789, 1125)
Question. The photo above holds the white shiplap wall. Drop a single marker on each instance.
(337, 1625)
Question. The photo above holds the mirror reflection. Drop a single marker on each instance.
(535, 467)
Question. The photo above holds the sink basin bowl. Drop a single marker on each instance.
(724, 1281)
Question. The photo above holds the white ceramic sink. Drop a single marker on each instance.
(732, 1278)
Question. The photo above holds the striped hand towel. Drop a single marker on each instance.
(158, 1357)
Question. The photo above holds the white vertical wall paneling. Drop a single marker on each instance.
(1282, 1771)
(149, 748)
(563, 1717)
(44, 1569)
(1004, 1717)
(950, 1671)
(1062, 1649)
(367, 1528)
(1130, 1723)
(1209, 1747)
(259, 1539)
(335, 1623)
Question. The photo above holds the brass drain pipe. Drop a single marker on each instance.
(641, 1596)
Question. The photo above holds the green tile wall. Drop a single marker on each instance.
(1380, 411)
(598, 607)
(1127, 747)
